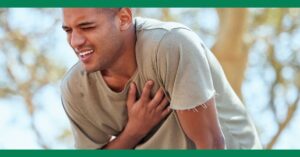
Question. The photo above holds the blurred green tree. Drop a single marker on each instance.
(26, 66)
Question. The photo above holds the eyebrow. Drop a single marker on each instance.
(83, 24)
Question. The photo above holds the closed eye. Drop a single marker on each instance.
(87, 25)
(66, 29)
(88, 28)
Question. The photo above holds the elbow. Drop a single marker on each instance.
(219, 142)
(212, 142)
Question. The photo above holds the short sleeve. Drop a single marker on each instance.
(86, 135)
(184, 70)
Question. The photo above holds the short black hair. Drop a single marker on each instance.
(109, 11)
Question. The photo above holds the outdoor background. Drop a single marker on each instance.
(259, 50)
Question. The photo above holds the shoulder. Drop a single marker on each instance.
(71, 78)
(154, 30)
(180, 42)
(147, 24)
(180, 37)
(154, 35)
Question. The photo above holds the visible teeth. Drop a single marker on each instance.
(85, 52)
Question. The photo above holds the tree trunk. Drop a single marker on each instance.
(230, 48)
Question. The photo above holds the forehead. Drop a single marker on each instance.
(71, 15)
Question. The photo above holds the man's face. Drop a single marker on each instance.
(94, 36)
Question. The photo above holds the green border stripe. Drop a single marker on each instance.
(150, 153)
(150, 3)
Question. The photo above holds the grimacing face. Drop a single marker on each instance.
(94, 36)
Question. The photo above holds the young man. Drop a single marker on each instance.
(149, 84)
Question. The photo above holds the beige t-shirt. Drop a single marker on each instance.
(176, 59)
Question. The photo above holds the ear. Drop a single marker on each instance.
(125, 18)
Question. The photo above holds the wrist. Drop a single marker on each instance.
(133, 133)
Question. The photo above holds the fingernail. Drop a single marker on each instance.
(131, 85)
(150, 82)
(161, 89)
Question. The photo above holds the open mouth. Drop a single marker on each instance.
(85, 55)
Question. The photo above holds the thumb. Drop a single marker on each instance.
(131, 96)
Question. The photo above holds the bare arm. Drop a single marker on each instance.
(143, 115)
(202, 126)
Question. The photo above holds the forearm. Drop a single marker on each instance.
(202, 127)
(125, 140)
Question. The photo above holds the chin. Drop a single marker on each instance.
(90, 69)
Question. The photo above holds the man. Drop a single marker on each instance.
(146, 84)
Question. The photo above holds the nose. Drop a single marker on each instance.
(76, 39)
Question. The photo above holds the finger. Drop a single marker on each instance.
(157, 98)
(164, 103)
(147, 90)
(166, 112)
(131, 95)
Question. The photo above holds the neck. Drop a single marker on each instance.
(126, 65)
